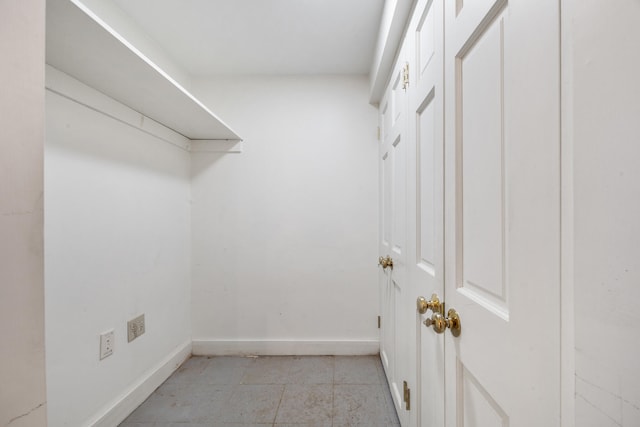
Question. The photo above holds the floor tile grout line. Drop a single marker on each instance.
(275, 416)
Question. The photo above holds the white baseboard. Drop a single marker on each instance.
(120, 408)
(202, 347)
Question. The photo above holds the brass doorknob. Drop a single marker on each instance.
(441, 323)
(389, 262)
(385, 262)
(434, 304)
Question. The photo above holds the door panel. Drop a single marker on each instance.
(427, 36)
(397, 96)
(479, 409)
(398, 273)
(502, 212)
(387, 315)
(399, 198)
(481, 146)
(386, 197)
(427, 270)
(426, 191)
(425, 204)
(393, 171)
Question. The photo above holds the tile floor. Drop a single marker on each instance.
(310, 391)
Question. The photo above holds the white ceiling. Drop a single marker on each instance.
(208, 37)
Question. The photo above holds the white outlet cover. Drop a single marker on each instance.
(107, 340)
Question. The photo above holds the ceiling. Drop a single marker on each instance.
(211, 37)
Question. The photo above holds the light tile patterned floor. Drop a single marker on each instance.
(310, 391)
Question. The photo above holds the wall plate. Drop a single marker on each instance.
(107, 340)
(135, 328)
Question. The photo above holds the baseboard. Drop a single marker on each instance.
(202, 347)
(120, 408)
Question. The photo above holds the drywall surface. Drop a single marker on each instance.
(117, 244)
(605, 63)
(22, 359)
(284, 233)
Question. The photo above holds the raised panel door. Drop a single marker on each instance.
(502, 213)
(393, 241)
(425, 205)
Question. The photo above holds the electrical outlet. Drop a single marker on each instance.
(106, 344)
(135, 328)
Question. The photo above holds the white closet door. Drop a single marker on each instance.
(425, 43)
(393, 242)
(502, 212)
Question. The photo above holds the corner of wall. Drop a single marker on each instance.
(22, 353)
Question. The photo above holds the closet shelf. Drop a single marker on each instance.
(81, 45)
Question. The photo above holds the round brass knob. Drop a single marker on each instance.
(453, 322)
(441, 323)
(438, 322)
(422, 305)
(385, 262)
(389, 262)
(434, 304)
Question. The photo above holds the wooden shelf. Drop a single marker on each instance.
(83, 46)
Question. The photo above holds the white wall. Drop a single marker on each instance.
(22, 363)
(602, 61)
(117, 244)
(285, 233)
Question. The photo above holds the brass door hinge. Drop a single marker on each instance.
(407, 396)
(405, 76)
(378, 322)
